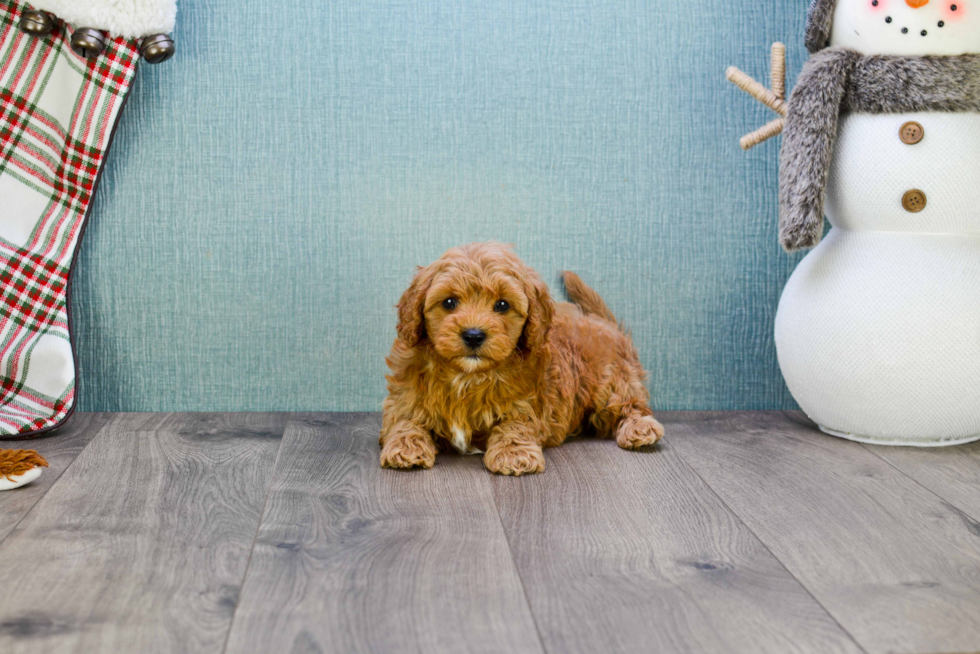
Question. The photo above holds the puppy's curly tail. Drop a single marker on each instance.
(587, 300)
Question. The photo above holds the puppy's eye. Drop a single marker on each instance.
(501, 306)
(449, 303)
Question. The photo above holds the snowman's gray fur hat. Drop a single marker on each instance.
(818, 23)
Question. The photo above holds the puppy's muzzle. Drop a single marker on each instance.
(473, 338)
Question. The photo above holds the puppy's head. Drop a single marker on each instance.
(477, 306)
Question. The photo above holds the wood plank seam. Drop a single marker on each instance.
(356, 558)
(57, 479)
(148, 554)
(513, 562)
(973, 526)
(632, 552)
(765, 545)
(258, 527)
(886, 557)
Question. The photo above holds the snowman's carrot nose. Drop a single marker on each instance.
(915, 4)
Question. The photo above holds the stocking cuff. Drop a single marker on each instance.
(126, 18)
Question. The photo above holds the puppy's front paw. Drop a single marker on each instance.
(405, 453)
(638, 431)
(514, 459)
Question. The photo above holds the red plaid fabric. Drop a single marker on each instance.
(57, 112)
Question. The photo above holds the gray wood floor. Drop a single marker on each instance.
(741, 532)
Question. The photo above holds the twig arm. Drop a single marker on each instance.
(779, 70)
(774, 98)
(756, 90)
(764, 133)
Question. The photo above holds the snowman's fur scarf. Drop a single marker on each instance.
(839, 80)
(819, 20)
(126, 18)
(808, 145)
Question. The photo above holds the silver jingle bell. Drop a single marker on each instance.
(36, 23)
(87, 42)
(157, 48)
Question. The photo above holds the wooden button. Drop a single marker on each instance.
(911, 132)
(914, 201)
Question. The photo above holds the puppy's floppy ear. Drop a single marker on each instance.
(540, 310)
(411, 308)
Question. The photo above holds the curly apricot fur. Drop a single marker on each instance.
(544, 371)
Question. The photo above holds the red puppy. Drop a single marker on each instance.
(486, 362)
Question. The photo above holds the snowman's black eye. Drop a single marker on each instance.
(905, 30)
(942, 23)
(874, 3)
(449, 303)
(888, 20)
(924, 32)
(954, 7)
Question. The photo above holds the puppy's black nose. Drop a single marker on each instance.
(473, 337)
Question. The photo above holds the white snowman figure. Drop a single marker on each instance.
(878, 329)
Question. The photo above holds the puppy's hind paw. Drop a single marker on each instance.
(513, 459)
(638, 431)
(406, 454)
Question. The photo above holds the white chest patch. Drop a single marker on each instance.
(461, 441)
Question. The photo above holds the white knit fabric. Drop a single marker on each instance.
(878, 336)
(126, 18)
(878, 329)
(872, 169)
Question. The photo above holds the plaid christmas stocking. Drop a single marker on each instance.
(62, 88)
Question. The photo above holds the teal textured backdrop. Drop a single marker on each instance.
(272, 188)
